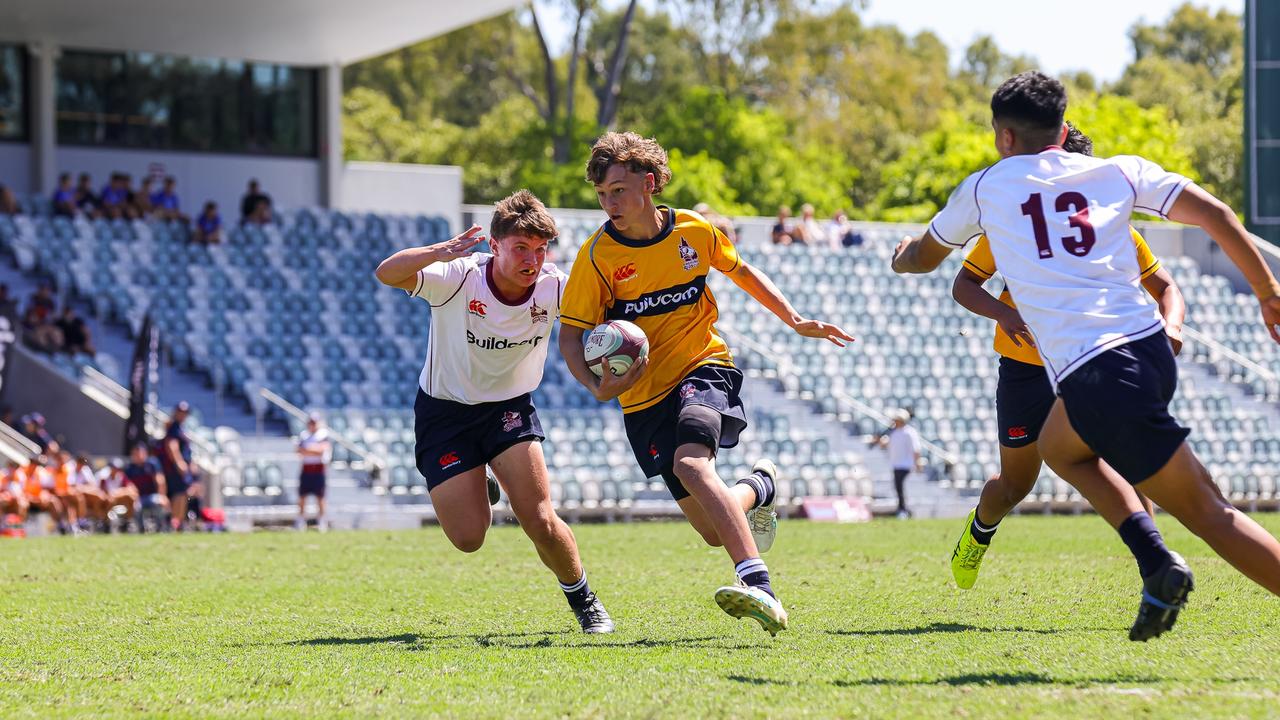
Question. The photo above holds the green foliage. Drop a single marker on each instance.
(917, 184)
(1120, 126)
(768, 102)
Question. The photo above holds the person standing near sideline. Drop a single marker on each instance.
(315, 451)
(903, 443)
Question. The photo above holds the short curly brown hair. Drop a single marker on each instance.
(638, 154)
(522, 213)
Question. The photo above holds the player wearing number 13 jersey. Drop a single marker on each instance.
(1024, 395)
(1058, 224)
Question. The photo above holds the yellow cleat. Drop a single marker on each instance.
(967, 557)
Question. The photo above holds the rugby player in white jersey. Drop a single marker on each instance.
(491, 318)
(1058, 225)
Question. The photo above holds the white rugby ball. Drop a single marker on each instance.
(618, 343)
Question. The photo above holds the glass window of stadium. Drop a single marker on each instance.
(13, 109)
(144, 100)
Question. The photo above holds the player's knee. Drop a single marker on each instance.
(468, 541)
(691, 468)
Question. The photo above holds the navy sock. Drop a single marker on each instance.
(754, 573)
(762, 485)
(981, 531)
(578, 592)
(1139, 532)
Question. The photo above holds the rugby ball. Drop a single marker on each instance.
(618, 344)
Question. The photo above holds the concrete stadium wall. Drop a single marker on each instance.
(15, 167)
(403, 188)
(32, 385)
(291, 182)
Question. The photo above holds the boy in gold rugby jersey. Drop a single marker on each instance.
(1023, 393)
(648, 264)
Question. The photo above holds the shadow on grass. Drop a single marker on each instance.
(968, 679)
(519, 641)
(945, 628)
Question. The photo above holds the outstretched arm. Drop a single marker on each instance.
(919, 255)
(1195, 206)
(759, 286)
(401, 269)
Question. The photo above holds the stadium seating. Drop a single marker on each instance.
(294, 307)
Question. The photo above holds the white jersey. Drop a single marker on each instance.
(313, 441)
(1058, 224)
(904, 443)
(483, 349)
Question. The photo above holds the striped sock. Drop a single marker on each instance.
(762, 485)
(754, 573)
(577, 593)
(982, 533)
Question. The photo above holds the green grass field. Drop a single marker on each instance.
(398, 624)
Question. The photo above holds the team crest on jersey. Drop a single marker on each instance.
(476, 307)
(687, 390)
(511, 420)
(688, 255)
(537, 314)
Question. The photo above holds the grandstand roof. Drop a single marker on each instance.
(295, 32)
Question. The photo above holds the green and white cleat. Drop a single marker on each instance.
(967, 557)
(740, 601)
(764, 519)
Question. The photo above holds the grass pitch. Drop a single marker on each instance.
(387, 624)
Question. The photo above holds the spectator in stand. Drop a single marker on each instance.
(64, 198)
(144, 475)
(40, 331)
(165, 202)
(86, 201)
(62, 469)
(255, 206)
(208, 225)
(8, 306)
(179, 471)
(315, 451)
(13, 496)
(140, 201)
(842, 232)
(111, 480)
(113, 201)
(8, 201)
(75, 333)
(718, 221)
(809, 231)
(34, 430)
(39, 485)
(783, 231)
(92, 497)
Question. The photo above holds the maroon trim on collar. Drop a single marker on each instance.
(1050, 147)
(488, 278)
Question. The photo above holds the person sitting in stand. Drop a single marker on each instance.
(64, 198)
(208, 226)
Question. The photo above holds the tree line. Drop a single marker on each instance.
(763, 103)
